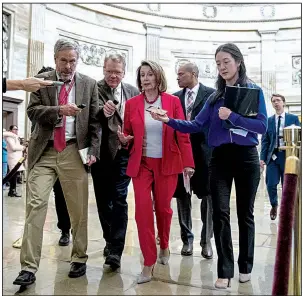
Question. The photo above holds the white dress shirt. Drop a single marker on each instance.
(118, 93)
(70, 129)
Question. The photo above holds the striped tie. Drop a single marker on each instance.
(190, 104)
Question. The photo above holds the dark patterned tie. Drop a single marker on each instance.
(190, 104)
(278, 131)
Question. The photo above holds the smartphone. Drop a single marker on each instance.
(150, 108)
(56, 83)
(156, 110)
(81, 106)
(116, 102)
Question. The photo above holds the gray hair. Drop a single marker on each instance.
(63, 44)
(116, 57)
(191, 67)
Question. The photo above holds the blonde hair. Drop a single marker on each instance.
(159, 73)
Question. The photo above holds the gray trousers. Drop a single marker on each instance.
(185, 220)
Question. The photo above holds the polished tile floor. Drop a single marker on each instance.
(192, 275)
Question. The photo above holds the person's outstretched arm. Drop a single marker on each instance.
(184, 126)
(29, 84)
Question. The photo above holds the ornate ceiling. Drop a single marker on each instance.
(217, 12)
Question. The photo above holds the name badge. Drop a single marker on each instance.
(239, 132)
(274, 157)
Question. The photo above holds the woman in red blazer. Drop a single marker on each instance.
(157, 155)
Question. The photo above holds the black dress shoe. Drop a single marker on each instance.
(207, 251)
(273, 213)
(14, 193)
(106, 250)
(77, 269)
(187, 249)
(25, 278)
(64, 239)
(112, 261)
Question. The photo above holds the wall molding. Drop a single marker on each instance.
(93, 51)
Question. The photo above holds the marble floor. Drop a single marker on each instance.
(192, 275)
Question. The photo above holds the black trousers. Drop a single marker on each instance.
(184, 207)
(13, 183)
(111, 187)
(61, 208)
(239, 163)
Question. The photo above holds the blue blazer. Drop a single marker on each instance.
(270, 137)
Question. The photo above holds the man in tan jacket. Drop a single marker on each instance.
(61, 130)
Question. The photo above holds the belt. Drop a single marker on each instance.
(50, 143)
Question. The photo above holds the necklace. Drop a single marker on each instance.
(152, 101)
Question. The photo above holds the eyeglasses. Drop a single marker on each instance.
(116, 73)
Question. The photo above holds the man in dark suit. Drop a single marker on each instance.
(109, 174)
(271, 156)
(193, 97)
(61, 130)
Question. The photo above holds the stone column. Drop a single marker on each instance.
(35, 49)
(268, 66)
(152, 42)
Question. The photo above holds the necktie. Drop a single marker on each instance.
(59, 133)
(278, 131)
(190, 104)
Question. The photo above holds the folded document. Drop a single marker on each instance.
(83, 154)
(186, 181)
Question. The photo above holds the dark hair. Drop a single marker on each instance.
(277, 95)
(235, 52)
(45, 69)
(12, 126)
(158, 72)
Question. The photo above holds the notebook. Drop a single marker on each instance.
(241, 100)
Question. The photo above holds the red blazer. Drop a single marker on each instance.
(176, 154)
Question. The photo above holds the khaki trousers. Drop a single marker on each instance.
(68, 167)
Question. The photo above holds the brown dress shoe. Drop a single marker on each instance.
(273, 213)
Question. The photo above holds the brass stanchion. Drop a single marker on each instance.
(292, 139)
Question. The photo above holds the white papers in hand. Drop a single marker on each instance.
(83, 154)
(186, 181)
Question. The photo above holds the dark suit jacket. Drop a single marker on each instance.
(110, 141)
(269, 139)
(201, 150)
(43, 110)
